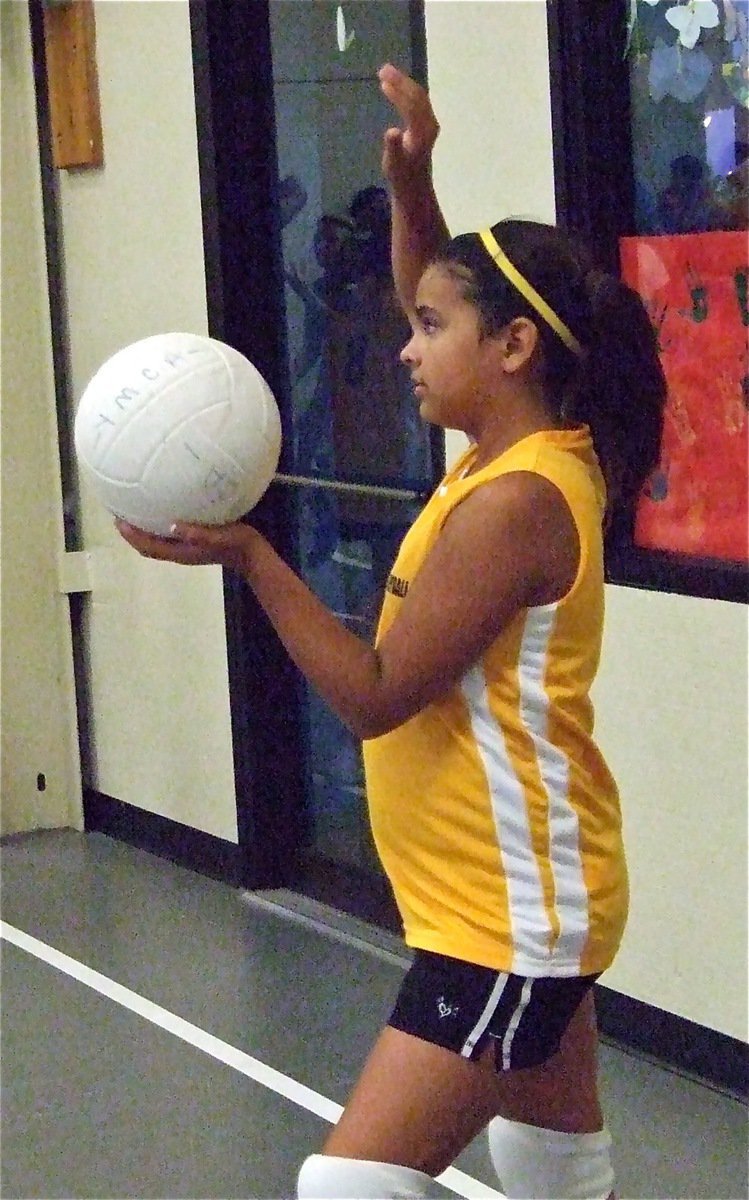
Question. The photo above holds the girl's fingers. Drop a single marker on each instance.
(392, 149)
(411, 102)
(191, 533)
(140, 537)
(215, 539)
(175, 548)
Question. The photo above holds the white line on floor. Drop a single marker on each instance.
(283, 1085)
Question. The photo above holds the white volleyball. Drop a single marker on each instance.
(178, 427)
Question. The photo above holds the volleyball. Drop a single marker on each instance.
(178, 427)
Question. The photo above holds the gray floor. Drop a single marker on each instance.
(98, 1101)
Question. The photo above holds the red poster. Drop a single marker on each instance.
(695, 288)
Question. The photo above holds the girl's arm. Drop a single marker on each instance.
(510, 544)
(418, 227)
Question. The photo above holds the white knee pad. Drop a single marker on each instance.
(543, 1164)
(324, 1177)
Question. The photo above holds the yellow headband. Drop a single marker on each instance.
(527, 290)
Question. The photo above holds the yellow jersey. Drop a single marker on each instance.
(494, 814)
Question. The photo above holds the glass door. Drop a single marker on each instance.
(296, 234)
(357, 460)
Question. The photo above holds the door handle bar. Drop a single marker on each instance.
(358, 489)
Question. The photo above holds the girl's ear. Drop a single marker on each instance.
(519, 341)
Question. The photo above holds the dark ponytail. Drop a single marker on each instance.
(616, 386)
(620, 390)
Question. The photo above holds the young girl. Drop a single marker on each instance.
(495, 816)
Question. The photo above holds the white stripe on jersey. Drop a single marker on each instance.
(529, 924)
(570, 892)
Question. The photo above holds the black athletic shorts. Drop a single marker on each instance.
(465, 1008)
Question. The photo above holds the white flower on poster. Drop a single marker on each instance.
(709, 49)
(690, 19)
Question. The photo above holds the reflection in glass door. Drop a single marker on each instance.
(357, 461)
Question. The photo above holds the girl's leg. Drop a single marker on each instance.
(418, 1105)
(415, 1104)
(562, 1093)
(549, 1139)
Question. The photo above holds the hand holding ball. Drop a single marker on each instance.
(178, 428)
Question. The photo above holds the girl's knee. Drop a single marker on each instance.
(327, 1177)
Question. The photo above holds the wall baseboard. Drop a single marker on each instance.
(691, 1049)
(180, 844)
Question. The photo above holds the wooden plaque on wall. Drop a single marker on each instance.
(70, 50)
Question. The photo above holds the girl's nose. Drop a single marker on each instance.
(407, 354)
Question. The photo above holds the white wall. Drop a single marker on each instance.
(671, 697)
(672, 718)
(39, 734)
(133, 241)
(488, 69)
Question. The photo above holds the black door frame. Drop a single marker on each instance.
(235, 108)
(242, 239)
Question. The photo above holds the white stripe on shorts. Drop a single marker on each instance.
(486, 1016)
(523, 1003)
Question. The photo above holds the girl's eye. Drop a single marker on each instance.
(428, 324)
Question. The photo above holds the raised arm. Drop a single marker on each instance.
(418, 227)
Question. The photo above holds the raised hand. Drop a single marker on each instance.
(407, 150)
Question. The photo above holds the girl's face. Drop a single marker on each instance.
(450, 363)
